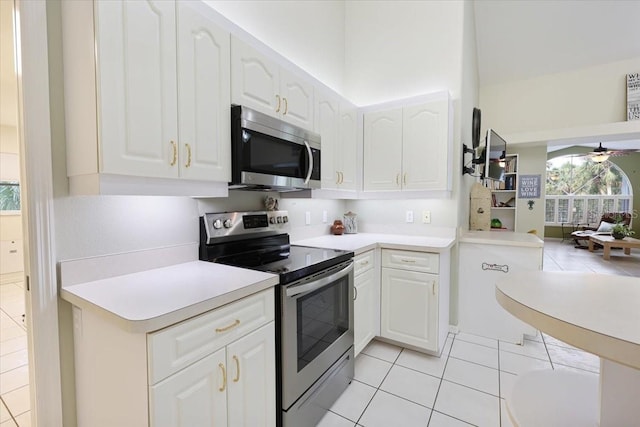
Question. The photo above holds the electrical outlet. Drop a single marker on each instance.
(426, 217)
(409, 216)
(324, 216)
(307, 218)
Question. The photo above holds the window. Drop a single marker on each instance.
(580, 191)
(9, 196)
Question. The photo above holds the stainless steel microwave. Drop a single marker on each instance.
(270, 154)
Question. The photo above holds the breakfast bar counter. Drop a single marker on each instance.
(594, 312)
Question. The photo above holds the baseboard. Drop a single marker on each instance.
(7, 278)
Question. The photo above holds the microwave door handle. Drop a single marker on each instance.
(317, 284)
(306, 181)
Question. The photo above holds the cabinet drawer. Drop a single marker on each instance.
(363, 262)
(178, 346)
(408, 260)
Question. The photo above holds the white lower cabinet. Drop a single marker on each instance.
(414, 309)
(235, 386)
(366, 306)
(215, 369)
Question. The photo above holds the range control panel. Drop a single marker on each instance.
(229, 224)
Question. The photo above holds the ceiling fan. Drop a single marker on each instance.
(601, 153)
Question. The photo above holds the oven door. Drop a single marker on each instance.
(317, 327)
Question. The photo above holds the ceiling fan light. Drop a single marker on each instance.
(599, 158)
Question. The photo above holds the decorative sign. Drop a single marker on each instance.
(529, 187)
(495, 267)
(633, 96)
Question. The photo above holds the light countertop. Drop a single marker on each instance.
(502, 238)
(149, 300)
(595, 312)
(362, 242)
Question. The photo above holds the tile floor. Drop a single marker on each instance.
(393, 386)
(14, 368)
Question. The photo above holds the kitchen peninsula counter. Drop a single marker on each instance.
(363, 242)
(153, 298)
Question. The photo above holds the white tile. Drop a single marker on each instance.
(7, 334)
(13, 345)
(476, 339)
(446, 348)
(442, 420)
(530, 348)
(13, 360)
(14, 379)
(574, 358)
(18, 400)
(505, 419)
(387, 410)
(352, 402)
(4, 413)
(382, 350)
(8, 423)
(506, 383)
(24, 420)
(425, 363)
(519, 364)
(370, 370)
(411, 385)
(472, 375)
(332, 420)
(469, 405)
(475, 353)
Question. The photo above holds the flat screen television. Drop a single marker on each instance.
(493, 156)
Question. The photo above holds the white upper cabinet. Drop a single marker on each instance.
(147, 94)
(383, 150)
(409, 148)
(261, 84)
(137, 97)
(348, 137)
(204, 97)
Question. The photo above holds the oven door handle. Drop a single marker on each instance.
(304, 288)
(310, 154)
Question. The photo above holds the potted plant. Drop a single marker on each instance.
(621, 230)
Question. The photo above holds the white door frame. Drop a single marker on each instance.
(34, 132)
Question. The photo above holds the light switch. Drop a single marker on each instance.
(409, 216)
(307, 218)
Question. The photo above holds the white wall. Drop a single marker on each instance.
(531, 161)
(589, 96)
(308, 33)
(397, 49)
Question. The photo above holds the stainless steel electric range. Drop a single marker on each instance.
(314, 307)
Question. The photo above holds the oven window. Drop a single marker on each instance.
(323, 316)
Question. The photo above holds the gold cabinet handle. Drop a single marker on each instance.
(224, 377)
(174, 159)
(231, 326)
(398, 179)
(404, 179)
(237, 378)
(341, 178)
(364, 262)
(188, 147)
(278, 107)
(408, 260)
(355, 294)
(433, 288)
(338, 177)
(286, 106)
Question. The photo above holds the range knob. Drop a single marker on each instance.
(285, 219)
(227, 223)
(279, 220)
(272, 220)
(217, 224)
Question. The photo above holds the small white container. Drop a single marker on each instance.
(350, 221)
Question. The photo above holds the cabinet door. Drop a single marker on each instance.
(364, 310)
(251, 377)
(383, 150)
(425, 146)
(255, 80)
(204, 97)
(297, 100)
(193, 397)
(327, 125)
(410, 308)
(136, 75)
(347, 153)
